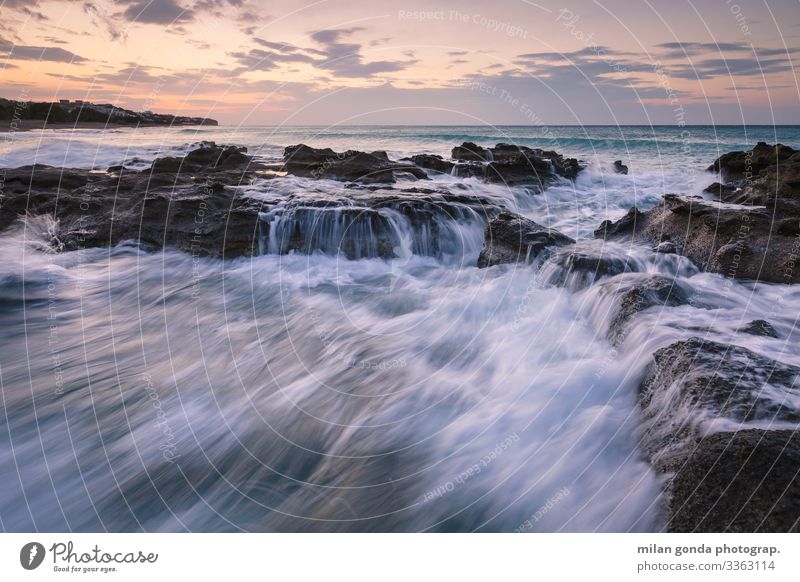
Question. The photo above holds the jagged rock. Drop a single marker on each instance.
(184, 203)
(765, 175)
(469, 170)
(759, 327)
(739, 165)
(511, 238)
(620, 168)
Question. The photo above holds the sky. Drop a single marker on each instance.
(329, 62)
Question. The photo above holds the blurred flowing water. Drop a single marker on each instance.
(309, 392)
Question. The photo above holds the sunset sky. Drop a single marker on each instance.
(466, 62)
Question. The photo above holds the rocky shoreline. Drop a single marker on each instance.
(717, 479)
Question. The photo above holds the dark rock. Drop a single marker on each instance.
(761, 176)
(667, 247)
(470, 152)
(759, 327)
(432, 162)
(654, 291)
(521, 165)
(724, 192)
(302, 160)
(523, 170)
(695, 399)
(741, 243)
(568, 167)
(469, 170)
(356, 226)
(695, 381)
(745, 481)
(742, 165)
(578, 268)
(511, 238)
(620, 168)
(625, 226)
(179, 203)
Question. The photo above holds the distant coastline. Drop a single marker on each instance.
(66, 114)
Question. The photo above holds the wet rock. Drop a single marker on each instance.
(654, 291)
(470, 152)
(699, 386)
(578, 268)
(521, 165)
(469, 170)
(761, 176)
(178, 203)
(511, 238)
(667, 247)
(620, 168)
(745, 481)
(520, 171)
(618, 229)
(432, 162)
(354, 233)
(740, 165)
(699, 401)
(759, 327)
(302, 160)
(741, 243)
(723, 192)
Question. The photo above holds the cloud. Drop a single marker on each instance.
(709, 68)
(683, 49)
(344, 58)
(38, 53)
(155, 11)
(102, 20)
(34, 14)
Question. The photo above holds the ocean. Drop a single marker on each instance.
(159, 391)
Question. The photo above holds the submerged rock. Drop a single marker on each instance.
(620, 168)
(759, 327)
(511, 238)
(577, 267)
